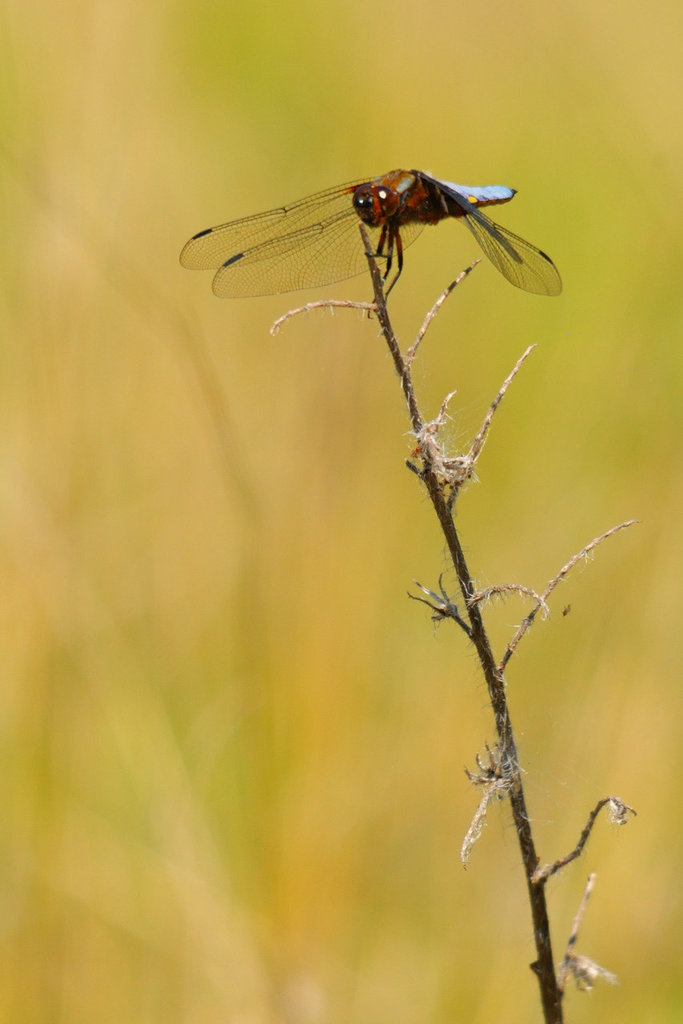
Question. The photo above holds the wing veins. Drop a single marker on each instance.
(212, 248)
(519, 261)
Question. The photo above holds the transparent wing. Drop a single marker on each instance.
(310, 243)
(211, 248)
(520, 262)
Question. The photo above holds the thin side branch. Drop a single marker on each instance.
(412, 351)
(500, 589)
(479, 440)
(527, 622)
(367, 307)
(441, 605)
(618, 813)
(584, 970)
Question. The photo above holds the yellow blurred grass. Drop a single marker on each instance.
(233, 749)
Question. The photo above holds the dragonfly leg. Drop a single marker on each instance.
(395, 236)
(381, 242)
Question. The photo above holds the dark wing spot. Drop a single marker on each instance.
(233, 259)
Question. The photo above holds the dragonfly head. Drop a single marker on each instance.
(375, 204)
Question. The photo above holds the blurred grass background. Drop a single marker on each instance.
(232, 749)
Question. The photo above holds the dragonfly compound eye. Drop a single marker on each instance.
(366, 205)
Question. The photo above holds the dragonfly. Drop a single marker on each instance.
(316, 241)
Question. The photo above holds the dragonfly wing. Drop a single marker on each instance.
(211, 248)
(519, 261)
(310, 243)
(311, 255)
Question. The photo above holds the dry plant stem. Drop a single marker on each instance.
(551, 997)
(366, 307)
(479, 440)
(542, 599)
(563, 972)
(619, 814)
(412, 351)
(584, 970)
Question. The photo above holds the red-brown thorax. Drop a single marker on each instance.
(402, 197)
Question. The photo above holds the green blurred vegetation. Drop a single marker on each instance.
(232, 750)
